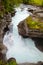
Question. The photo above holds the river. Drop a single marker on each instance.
(24, 50)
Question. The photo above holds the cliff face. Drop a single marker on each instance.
(6, 12)
(4, 23)
(5, 20)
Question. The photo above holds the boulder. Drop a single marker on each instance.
(12, 61)
(3, 50)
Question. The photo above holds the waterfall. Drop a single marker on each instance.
(23, 50)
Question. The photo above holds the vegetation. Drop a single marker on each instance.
(34, 2)
(34, 23)
(8, 5)
(12, 62)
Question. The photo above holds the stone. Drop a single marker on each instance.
(3, 50)
(12, 61)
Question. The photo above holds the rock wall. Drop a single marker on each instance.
(4, 27)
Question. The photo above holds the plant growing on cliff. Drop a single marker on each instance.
(34, 23)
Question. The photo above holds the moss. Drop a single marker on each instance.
(2, 62)
(11, 62)
(34, 23)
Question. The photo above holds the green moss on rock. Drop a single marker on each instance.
(9, 62)
(34, 23)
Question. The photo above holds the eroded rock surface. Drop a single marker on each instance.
(4, 27)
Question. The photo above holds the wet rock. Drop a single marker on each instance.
(39, 43)
(4, 23)
(3, 50)
(13, 13)
(30, 10)
(22, 29)
(12, 61)
(33, 9)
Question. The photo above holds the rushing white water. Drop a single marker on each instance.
(23, 50)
